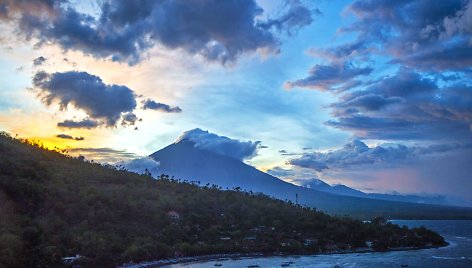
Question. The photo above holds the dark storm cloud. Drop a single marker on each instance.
(87, 92)
(39, 61)
(425, 34)
(84, 123)
(217, 30)
(69, 137)
(406, 105)
(236, 149)
(330, 77)
(357, 153)
(153, 105)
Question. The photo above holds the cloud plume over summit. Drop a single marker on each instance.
(203, 139)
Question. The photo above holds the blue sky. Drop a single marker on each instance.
(376, 95)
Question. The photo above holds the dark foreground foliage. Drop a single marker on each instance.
(52, 206)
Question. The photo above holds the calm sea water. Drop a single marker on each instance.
(457, 254)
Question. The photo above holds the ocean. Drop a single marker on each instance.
(457, 254)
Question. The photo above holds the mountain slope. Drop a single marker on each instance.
(184, 161)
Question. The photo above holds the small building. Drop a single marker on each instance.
(369, 244)
(173, 215)
(71, 260)
(310, 242)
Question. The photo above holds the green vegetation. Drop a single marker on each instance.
(53, 206)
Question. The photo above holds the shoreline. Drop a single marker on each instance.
(235, 256)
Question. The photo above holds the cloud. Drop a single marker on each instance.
(152, 105)
(236, 149)
(368, 102)
(311, 183)
(430, 95)
(39, 61)
(141, 165)
(129, 119)
(425, 48)
(341, 53)
(297, 175)
(331, 77)
(69, 137)
(407, 105)
(356, 153)
(307, 161)
(104, 155)
(124, 30)
(280, 172)
(382, 128)
(286, 153)
(296, 17)
(106, 103)
(69, 62)
(429, 35)
(84, 123)
(460, 23)
(442, 172)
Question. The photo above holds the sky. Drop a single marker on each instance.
(376, 95)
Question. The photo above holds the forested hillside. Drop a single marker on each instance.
(53, 206)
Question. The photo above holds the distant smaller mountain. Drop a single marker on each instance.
(341, 189)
